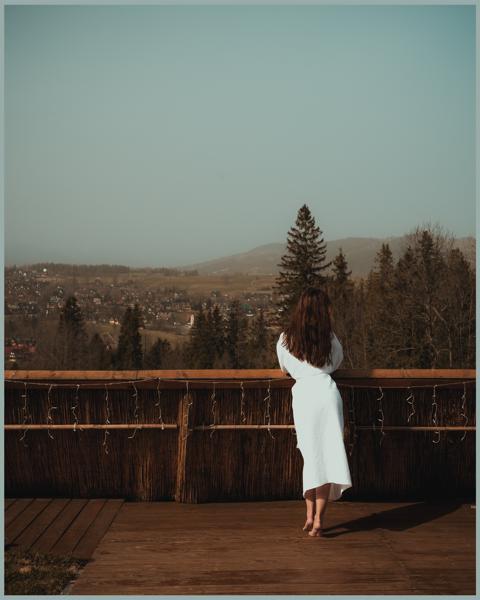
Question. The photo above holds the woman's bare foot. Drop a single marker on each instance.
(308, 524)
(317, 529)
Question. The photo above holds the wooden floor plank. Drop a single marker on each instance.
(39, 525)
(432, 563)
(25, 518)
(86, 546)
(9, 502)
(58, 526)
(71, 536)
(259, 548)
(15, 509)
(254, 547)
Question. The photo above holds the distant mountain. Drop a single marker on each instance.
(359, 251)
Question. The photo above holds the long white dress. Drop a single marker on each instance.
(318, 417)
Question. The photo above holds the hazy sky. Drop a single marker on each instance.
(163, 135)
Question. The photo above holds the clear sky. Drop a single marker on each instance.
(163, 135)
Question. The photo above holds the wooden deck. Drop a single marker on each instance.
(259, 548)
(60, 526)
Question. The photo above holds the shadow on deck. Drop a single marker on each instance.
(254, 547)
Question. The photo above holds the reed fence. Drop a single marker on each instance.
(228, 435)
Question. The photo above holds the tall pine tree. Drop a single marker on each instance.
(258, 342)
(460, 297)
(70, 346)
(406, 340)
(236, 337)
(341, 292)
(155, 358)
(218, 333)
(129, 354)
(431, 271)
(381, 306)
(199, 351)
(99, 358)
(303, 263)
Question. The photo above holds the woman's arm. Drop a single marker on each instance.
(337, 353)
(280, 355)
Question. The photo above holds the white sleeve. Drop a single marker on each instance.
(280, 354)
(337, 353)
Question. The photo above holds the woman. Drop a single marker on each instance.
(309, 351)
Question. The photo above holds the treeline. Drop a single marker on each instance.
(66, 270)
(415, 312)
(168, 271)
(79, 270)
(69, 347)
(235, 342)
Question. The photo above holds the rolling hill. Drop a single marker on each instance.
(359, 251)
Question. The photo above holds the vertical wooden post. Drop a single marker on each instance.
(183, 488)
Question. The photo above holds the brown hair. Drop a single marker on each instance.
(308, 335)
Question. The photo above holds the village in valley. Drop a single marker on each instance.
(226, 313)
(168, 299)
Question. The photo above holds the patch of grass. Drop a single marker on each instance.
(34, 573)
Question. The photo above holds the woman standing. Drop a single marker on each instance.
(309, 351)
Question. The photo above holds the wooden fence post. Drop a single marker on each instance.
(184, 491)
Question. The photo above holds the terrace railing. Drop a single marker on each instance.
(228, 435)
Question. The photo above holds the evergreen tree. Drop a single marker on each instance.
(191, 348)
(137, 351)
(199, 351)
(341, 274)
(357, 357)
(407, 340)
(70, 347)
(123, 353)
(258, 342)
(341, 291)
(458, 318)
(381, 307)
(218, 332)
(208, 349)
(340, 287)
(303, 263)
(431, 271)
(156, 356)
(99, 357)
(236, 337)
(129, 353)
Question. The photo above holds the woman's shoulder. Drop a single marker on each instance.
(282, 342)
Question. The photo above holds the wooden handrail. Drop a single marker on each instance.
(234, 426)
(237, 374)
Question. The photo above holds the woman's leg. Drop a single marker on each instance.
(321, 500)
(310, 502)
